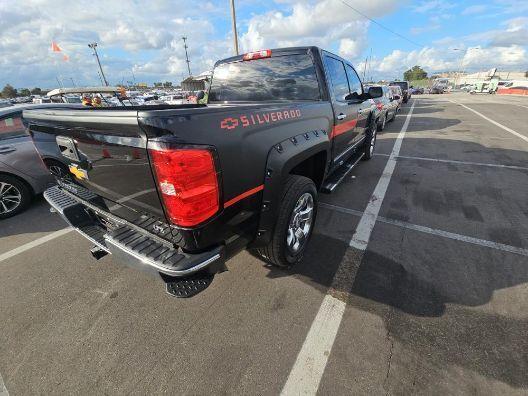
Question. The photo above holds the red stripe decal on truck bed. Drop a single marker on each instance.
(344, 127)
(243, 195)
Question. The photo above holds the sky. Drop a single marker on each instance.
(141, 41)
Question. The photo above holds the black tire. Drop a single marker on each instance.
(277, 252)
(10, 187)
(371, 135)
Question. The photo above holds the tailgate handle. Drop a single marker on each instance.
(7, 149)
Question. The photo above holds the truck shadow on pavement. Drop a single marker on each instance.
(449, 304)
(433, 315)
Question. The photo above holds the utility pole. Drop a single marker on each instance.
(73, 82)
(235, 35)
(187, 55)
(94, 47)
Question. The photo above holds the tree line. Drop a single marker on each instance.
(9, 92)
(415, 73)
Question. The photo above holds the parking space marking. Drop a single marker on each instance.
(368, 219)
(492, 121)
(311, 361)
(458, 162)
(32, 244)
(433, 231)
(3, 389)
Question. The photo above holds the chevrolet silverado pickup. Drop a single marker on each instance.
(176, 190)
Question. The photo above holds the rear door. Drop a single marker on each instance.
(345, 130)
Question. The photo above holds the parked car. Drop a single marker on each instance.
(176, 190)
(387, 106)
(22, 171)
(397, 94)
(404, 85)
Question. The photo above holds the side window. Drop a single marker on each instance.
(11, 127)
(336, 70)
(353, 80)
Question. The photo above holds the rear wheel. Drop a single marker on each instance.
(370, 141)
(295, 223)
(15, 196)
(57, 169)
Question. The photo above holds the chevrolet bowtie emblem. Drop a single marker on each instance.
(80, 174)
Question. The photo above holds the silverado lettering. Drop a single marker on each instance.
(259, 118)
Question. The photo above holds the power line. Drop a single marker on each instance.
(381, 26)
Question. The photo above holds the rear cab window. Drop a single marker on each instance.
(278, 78)
(11, 127)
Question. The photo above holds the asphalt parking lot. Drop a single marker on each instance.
(415, 282)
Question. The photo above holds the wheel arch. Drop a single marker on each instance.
(306, 155)
(20, 179)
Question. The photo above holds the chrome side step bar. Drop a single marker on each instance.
(339, 175)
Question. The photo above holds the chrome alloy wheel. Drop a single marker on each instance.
(300, 223)
(10, 198)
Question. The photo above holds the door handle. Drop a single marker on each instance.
(7, 149)
(341, 116)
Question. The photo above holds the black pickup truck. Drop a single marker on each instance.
(177, 190)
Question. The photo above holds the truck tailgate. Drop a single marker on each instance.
(105, 150)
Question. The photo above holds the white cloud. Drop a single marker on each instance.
(475, 9)
(444, 59)
(433, 5)
(131, 35)
(323, 23)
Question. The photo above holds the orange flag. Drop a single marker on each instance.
(55, 47)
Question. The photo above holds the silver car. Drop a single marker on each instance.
(23, 173)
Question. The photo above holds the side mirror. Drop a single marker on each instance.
(200, 95)
(396, 97)
(375, 92)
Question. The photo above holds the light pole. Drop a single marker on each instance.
(94, 47)
(187, 55)
(233, 17)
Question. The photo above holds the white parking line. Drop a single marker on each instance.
(32, 244)
(492, 121)
(311, 361)
(366, 224)
(3, 389)
(56, 234)
(457, 162)
(433, 231)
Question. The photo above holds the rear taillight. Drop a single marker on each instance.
(257, 55)
(188, 184)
